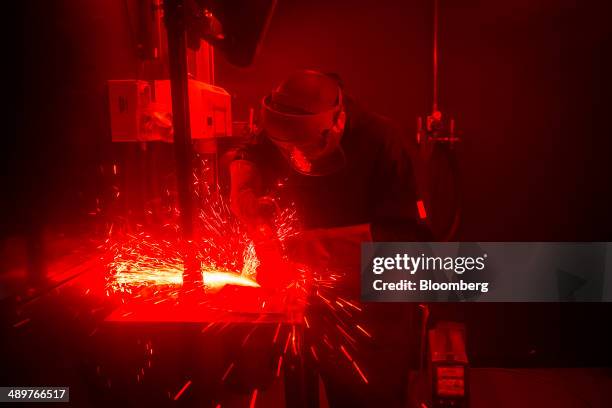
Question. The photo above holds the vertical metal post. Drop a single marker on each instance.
(175, 14)
(435, 55)
(211, 64)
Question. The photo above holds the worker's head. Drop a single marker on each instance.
(304, 117)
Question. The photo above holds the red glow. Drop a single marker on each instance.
(253, 399)
(227, 372)
(300, 161)
(421, 208)
(361, 374)
(21, 323)
(146, 268)
(278, 367)
(150, 267)
(276, 333)
(346, 353)
(363, 331)
(450, 381)
(178, 394)
(314, 353)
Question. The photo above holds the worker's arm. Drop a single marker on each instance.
(254, 210)
(325, 248)
(257, 213)
(395, 213)
(245, 188)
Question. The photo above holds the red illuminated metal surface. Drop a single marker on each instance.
(147, 273)
(421, 209)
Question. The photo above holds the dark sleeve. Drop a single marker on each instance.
(395, 211)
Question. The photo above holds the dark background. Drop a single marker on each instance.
(526, 80)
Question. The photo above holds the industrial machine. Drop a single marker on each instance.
(141, 111)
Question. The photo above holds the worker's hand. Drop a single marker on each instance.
(253, 211)
(246, 200)
(266, 209)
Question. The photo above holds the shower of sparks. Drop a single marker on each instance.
(154, 262)
(144, 263)
(140, 261)
(149, 264)
(217, 278)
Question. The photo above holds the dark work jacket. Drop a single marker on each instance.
(376, 186)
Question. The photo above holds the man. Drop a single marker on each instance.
(342, 166)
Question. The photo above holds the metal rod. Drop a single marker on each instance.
(211, 63)
(435, 56)
(174, 13)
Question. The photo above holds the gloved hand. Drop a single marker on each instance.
(246, 200)
(251, 210)
(257, 213)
